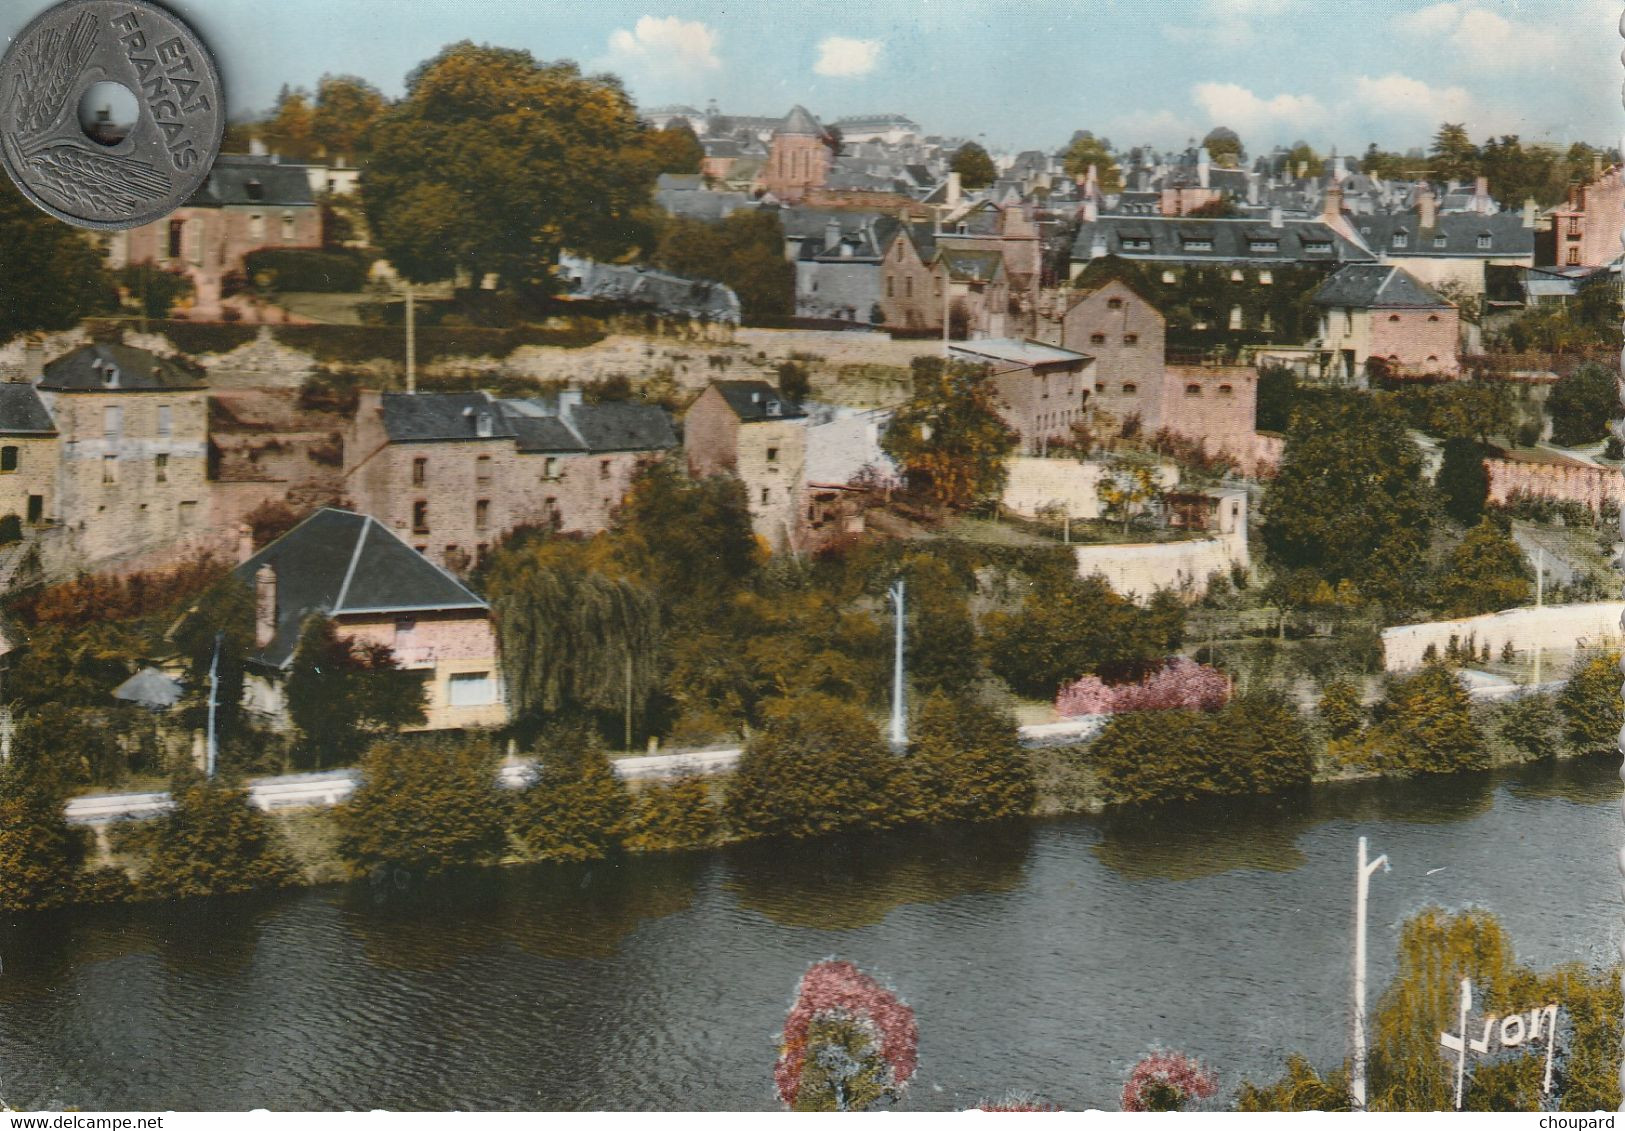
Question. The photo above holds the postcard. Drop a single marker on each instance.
(710, 557)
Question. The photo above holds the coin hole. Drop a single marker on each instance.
(107, 112)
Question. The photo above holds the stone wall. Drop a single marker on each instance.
(1139, 570)
(1418, 341)
(1553, 628)
(1554, 476)
(1035, 484)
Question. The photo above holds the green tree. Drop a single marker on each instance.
(1582, 403)
(575, 807)
(676, 149)
(949, 437)
(55, 276)
(692, 541)
(214, 842)
(1340, 709)
(1529, 724)
(1463, 480)
(422, 808)
(1302, 156)
(1452, 156)
(965, 763)
(288, 131)
(1303, 1088)
(1126, 488)
(1487, 573)
(1223, 145)
(40, 856)
(156, 291)
(343, 694)
(1590, 703)
(818, 767)
(744, 251)
(974, 166)
(1348, 502)
(1424, 725)
(673, 816)
(942, 652)
(494, 162)
(1264, 744)
(346, 108)
(1085, 151)
(1277, 391)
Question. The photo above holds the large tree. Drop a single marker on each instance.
(343, 693)
(288, 131)
(1582, 403)
(1086, 151)
(676, 149)
(422, 808)
(745, 251)
(1349, 502)
(346, 108)
(495, 162)
(1487, 573)
(974, 166)
(1463, 480)
(40, 856)
(1223, 144)
(1453, 156)
(949, 437)
(54, 275)
(214, 842)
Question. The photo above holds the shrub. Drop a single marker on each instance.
(673, 817)
(966, 764)
(424, 807)
(214, 842)
(575, 808)
(305, 269)
(1340, 710)
(1180, 684)
(1424, 725)
(818, 766)
(40, 856)
(1590, 703)
(1529, 725)
(1167, 1081)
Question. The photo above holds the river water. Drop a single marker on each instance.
(1046, 957)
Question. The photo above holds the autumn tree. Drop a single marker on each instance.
(1348, 503)
(1126, 488)
(674, 816)
(214, 842)
(1086, 151)
(40, 855)
(493, 162)
(966, 764)
(55, 276)
(289, 131)
(1341, 709)
(1487, 573)
(1582, 403)
(1590, 703)
(343, 693)
(949, 437)
(346, 108)
(575, 807)
(744, 251)
(1424, 725)
(676, 149)
(974, 166)
(1223, 145)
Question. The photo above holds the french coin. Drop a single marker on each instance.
(111, 112)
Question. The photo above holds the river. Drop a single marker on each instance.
(1044, 957)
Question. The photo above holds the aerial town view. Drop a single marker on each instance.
(894, 557)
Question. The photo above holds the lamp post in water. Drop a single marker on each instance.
(1362, 886)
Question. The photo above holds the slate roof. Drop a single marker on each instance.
(1016, 351)
(799, 123)
(1459, 230)
(150, 688)
(338, 562)
(753, 401)
(22, 413)
(234, 178)
(416, 417)
(701, 204)
(680, 181)
(612, 426)
(1231, 239)
(877, 121)
(1369, 285)
(86, 368)
(868, 240)
(669, 294)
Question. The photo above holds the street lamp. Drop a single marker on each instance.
(899, 730)
(1362, 885)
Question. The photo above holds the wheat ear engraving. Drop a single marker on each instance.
(100, 180)
(51, 63)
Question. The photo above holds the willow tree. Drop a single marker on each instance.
(574, 635)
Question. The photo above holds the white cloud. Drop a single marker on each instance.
(1402, 98)
(662, 47)
(1228, 104)
(1231, 23)
(842, 57)
(1475, 34)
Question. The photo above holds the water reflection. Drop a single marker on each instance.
(1209, 838)
(549, 910)
(1586, 781)
(846, 882)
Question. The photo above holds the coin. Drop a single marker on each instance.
(111, 112)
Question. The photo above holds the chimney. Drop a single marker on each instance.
(1252, 188)
(1097, 250)
(1529, 212)
(954, 190)
(832, 235)
(1275, 217)
(1303, 169)
(1093, 178)
(245, 543)
(569, 401)
(1332, 210)
(1204, 168)
(1428, 209)
(264, 606)
(1091, 211)
(1481, 196)
(33, 359)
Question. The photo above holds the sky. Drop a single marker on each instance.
(1014, 74)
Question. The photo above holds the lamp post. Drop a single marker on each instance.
(1362, 886)
(212, 751)
(899, 730)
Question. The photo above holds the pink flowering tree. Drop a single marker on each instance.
(1167, 1081)
(1180, 684)
(849, 1044)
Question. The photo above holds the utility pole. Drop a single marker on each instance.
(629, 697)
(899, 729)
(411, 341)
(1540, 576)
(212, 750)
(1362, 886)
(947, 300)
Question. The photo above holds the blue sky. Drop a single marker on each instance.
(1017, 73)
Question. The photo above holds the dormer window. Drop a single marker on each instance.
(1317, 247)
(110, 376)
(1259, 247)
(255, 190)
(1198, 243)
(1484, 241)
(1136, 243)
(1402, 239)
(772, 408)
(482, 424)
(961, 228)
(1441, 241)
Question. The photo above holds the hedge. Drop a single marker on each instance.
(309, 270)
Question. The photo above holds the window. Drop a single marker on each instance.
(1441, 241)
(1130, 388)
(1198, 245)
(482, 513)
(1433, 318)
(1235, 318)
(166, 421)
(8, 458)
(550, 467)
(1266, 277)
(1433, 358)
(287, 227)
(1114, 304)
(109, 469)
(1393, 318)
(1131, 339)
(188, 513)
(1193, 390)
(1574, 227)
(420, 517)
(256, 226)
(1262, 247)
(471, 689)
(891, 286)
(772, 455)
(1317, 247)
(767, 495)
(482, 470)
(160, 468)
(1402, 239)
(1168, 276)
(481, 552)
(603, 469)
(1100, 386)
(482, 425)
(1097, 338)
(1236, 275)
(256, 190)
(1484, 241)
(1136, 243)
(420, 471)
(908, 287)
(36, 509)
(421, 549)
(1574, 257)
(177, 238)
(1227, 390)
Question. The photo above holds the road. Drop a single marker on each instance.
(332, 787)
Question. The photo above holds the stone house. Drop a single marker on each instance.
(1126, 335)
(378, 590)
(133, 435)
(911, 290)
(798, 158)
(1008, 230)
(1382, 311)
(1040, 390)
(29, 456)
(838, 271)
(1586, 227)
(749, 430)
(247, 203)
(455, 472)
(1437, 247)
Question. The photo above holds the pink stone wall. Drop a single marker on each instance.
(1422, 341)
